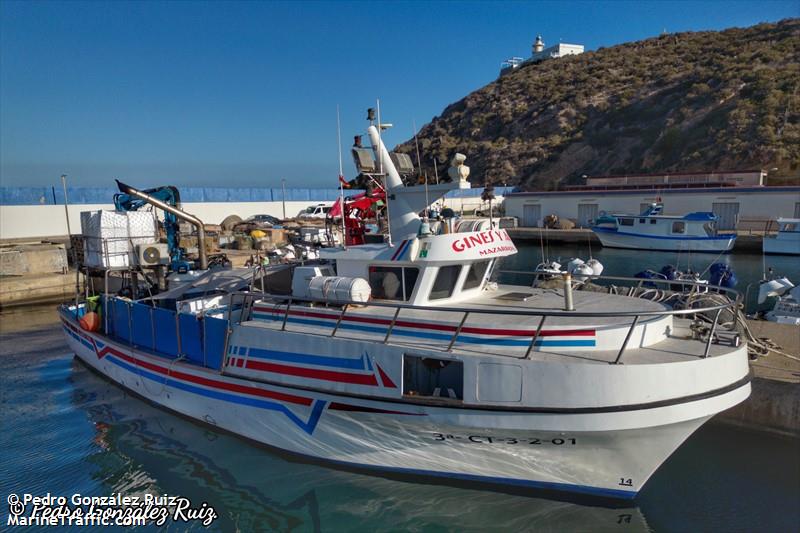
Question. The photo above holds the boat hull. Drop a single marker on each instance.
(613, 239)
(776, 246)
(516, 447)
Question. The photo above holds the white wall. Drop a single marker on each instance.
(23, 221)
(763, 204)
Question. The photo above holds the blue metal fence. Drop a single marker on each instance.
(105, 195)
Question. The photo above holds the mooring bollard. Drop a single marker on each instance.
(568, 292)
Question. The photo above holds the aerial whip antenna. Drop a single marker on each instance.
(341, 177)
(419, 167)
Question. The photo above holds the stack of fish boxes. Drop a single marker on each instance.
(111, 237)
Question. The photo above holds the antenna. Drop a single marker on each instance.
(383, 176)
(341, 177)
(419, 168)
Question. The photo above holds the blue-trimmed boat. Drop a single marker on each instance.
(404, 356)
(651, 230)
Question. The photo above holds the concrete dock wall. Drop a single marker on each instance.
(773, 405)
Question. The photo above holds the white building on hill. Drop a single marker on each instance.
(540, 53)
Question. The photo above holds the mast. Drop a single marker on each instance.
(341, 177)
(383, 154)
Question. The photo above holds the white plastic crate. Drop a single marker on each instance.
(111, 237)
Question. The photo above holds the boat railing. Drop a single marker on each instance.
(694, 286)
(730, 302)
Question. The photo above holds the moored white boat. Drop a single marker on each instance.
(401, 356)
(693, 232)
(787, 240)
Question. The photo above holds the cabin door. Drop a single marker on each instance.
(728, 213)
(797, 210)
(587, 214)
(531, 215)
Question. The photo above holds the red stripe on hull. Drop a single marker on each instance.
(232, 387)
(327, 375)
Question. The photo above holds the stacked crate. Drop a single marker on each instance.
(110, 237)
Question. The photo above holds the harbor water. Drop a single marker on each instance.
(68, 431)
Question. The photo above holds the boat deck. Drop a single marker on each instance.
(510, 335)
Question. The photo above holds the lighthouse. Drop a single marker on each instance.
(539, 53)
(538, 45)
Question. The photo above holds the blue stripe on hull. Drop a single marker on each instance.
(435, 336)
(317, 410)
(79, 338)
(308, 427)
(306, 359)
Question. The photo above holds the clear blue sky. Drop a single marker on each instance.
(245, 93)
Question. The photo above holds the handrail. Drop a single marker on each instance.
(637, 316)
(532, 312)
(509, 312)
(696, 284)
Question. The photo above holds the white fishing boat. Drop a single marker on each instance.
(650, 230)
(787, 240)
(403, 357)
(785, 300)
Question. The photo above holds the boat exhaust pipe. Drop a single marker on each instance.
(181, 214)
(568, 305)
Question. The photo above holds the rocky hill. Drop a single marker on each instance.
(697, 101)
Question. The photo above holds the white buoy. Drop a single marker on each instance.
(596, 266)
(582, 272)
(573, 264)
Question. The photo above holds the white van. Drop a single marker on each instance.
(315, 211)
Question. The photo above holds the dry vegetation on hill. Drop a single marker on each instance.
(696, 101)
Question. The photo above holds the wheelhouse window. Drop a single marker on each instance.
(652, 221)
(445, 282)
(393, 283)
(475, 274)
(626, 222)
(642, 220)
(679, 227)
(711, 229)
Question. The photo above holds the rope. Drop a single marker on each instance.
(729, 319)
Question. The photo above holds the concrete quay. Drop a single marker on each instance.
(35, 272)
(35, 289)
(774, 403)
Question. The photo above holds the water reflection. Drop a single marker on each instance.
(144, 449)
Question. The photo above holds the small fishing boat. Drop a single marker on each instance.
(786, 304)
(650, 230)
(787, 240)
(403, 356)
